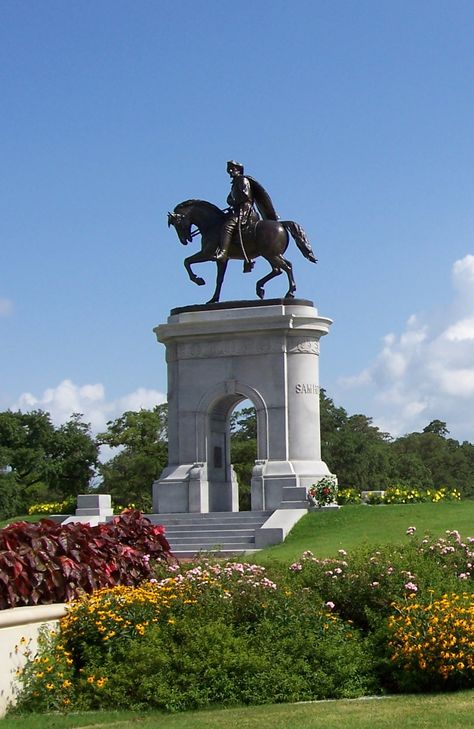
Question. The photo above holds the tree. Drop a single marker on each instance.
(243, 451)
(353, 448)
(444, 460)
(438, 427)
(46, 461)
(11, 502)
(77, 454)
(142, 438)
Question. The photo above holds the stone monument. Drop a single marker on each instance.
(220, 354)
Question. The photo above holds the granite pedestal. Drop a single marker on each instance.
(218, 356)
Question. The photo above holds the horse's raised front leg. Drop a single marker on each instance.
(199, 257)
(221, 268)
(261, 282)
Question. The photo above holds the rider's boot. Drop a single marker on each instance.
(226, 238)
(223, 253)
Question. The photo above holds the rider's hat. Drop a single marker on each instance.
(232, 164)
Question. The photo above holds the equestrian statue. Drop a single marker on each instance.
(239, 232)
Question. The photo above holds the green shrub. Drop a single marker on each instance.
(401, 494)
(68, 506)
(374, 497)
(208, 634)
(348, 496)
(211, 633)
(363, 586)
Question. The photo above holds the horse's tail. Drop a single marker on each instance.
(300, 238)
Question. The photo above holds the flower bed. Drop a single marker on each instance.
(397, 494)
(209, 633)
(432, 644)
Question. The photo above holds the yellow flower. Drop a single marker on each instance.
(101, 682)
(66, 684)
(90, 679)
(50, 686)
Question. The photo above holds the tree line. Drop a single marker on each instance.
(41, 462)
(365, 458)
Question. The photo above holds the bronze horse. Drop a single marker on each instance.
(266, 238)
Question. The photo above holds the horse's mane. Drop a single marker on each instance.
(201, 203)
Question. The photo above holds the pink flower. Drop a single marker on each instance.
(411, 587)
(296, 567)
(330, 605)
(411, 530)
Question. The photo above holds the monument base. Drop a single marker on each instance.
(219, 356)
(186, 488)
(284, 484)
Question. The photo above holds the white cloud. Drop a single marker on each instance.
(427, 371)
(463, 273)
(90, 400)
(461, 330)
(6, 307)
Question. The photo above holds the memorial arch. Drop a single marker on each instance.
(218, 356)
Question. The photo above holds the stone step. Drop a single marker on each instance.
(213, 516)
(293, 505)
(235, 546)
(216, 532)
(231, 551)
(181, 531)
(211, 539)
(206, 525)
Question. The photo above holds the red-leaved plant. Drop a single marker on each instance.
(46, 562)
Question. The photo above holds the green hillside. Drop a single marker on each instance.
(324, 532)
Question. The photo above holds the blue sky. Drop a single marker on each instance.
(357, 116)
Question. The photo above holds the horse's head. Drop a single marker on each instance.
(182, 225)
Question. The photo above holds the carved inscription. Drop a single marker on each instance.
(305, 388)
(228, 347)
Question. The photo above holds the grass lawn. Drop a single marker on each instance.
(324, 532)
(439, 711)
(25, 517)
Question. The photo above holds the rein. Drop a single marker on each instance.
(197, 231)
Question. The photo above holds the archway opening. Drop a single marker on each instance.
(243, 448)
(240, 416)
